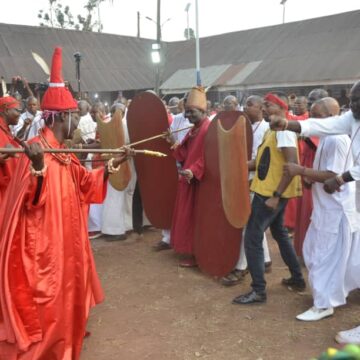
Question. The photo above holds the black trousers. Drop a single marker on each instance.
(137, 210)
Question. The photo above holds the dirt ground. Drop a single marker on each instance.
(155, 310)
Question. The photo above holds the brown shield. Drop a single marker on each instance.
(234, 172)
(157, 177)
(112, 136)
(217, 242)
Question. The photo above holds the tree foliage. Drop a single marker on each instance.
(60, 16)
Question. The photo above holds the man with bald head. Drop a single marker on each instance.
(349, 124)
(30, 121)
(230, 103)
(331, 267)
(315, 95)
(173, 105)
(86, 125)
(107, 220)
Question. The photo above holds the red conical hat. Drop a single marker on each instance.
(57, 96)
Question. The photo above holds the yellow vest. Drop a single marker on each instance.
(269, 169)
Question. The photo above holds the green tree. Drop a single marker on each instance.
(60, 16)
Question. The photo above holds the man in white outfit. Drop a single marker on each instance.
(331, 247)
(109, 217)
(30, 122)
(348, 123)
(254, 110)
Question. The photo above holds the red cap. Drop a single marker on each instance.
(57, 96)
(8, 102)
(276, 100)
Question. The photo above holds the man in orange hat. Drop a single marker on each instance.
(10, 111)
(190, 154)
(48, 281)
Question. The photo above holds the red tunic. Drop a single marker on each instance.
(304, 204)
(291, 218)
(7, 169)
(48, 280)
(190, 154)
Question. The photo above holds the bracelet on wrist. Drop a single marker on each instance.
(110, 167)
(37, 173)
(303, 171)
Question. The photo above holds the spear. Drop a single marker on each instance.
(150, 138)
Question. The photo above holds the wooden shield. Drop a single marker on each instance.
(217, 242)
(157, 177)
(234, 172)
(112, 136)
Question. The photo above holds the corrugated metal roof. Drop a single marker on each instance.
(315, 51)
(183, 79)
(311, 52)
(109, 62)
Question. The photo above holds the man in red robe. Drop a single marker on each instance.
(190, 154)
(10, 111)
(48, 281)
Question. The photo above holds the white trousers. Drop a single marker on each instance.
(333, 262)
(113, 214)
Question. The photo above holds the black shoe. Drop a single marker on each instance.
(160, 246)
(114, 237)
(250, 298)
(293, 284)
(234, 278)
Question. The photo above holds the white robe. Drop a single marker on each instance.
(114, 217)
(332, 243)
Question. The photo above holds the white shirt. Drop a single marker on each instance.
(337, 125)
(179, 122)
(333, 154)
(286, 139)
(259, 128)
(32, 130)
(88, 127)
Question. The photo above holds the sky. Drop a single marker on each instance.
(215, 17)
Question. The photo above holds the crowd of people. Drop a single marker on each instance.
(302, 188)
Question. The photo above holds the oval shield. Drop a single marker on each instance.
(234, 174)
(112, 136)
(147, 117)
(217, 242)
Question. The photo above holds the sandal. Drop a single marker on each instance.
(234, 278)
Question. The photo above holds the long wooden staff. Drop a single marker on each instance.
(147, 139)
(82, 151)
(102, 151)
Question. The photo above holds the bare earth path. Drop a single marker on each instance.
(157, 311)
